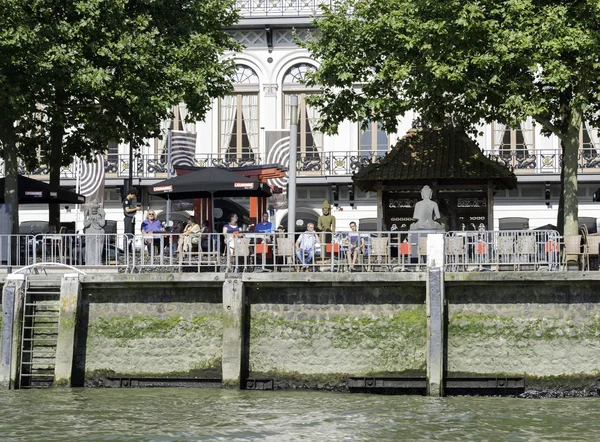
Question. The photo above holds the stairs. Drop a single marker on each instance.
(40, 333)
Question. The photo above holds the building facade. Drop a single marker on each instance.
(251, 127)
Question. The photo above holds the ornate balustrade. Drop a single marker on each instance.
(345, 163)
(280, 8)
(545, 161)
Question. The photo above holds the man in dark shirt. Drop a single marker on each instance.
(129, 211)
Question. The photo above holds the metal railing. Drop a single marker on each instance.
(544, 161)
(156, 166)
(343, 163)
(503, 250)
(281, 8)
(279, 252)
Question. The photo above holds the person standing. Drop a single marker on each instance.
(129, 211)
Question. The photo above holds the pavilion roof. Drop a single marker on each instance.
(447, 156)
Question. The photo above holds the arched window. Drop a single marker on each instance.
(239, 123)
(310, 142)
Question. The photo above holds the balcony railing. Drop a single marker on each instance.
(155, 166)
(545, 161)
(280, 8)
(346, 163)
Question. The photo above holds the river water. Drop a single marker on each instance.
(224, 415)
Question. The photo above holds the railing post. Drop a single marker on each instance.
(70, 294)
(435, 315)
(12, 318)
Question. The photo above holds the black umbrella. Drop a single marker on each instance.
(38, 192)
(209, 182)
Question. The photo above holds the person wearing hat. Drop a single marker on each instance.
(189, 236)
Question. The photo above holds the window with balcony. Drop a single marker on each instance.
(238, 116)
(588, 143)
(310, 141)
(514, 147)
(373, 143)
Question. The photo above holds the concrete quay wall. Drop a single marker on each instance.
(316, 330)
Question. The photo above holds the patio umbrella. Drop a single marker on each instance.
(39, 192)
(209, 182)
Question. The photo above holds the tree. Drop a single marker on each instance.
(102, 70)
(475, 60)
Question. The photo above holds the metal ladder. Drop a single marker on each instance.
(39, 333)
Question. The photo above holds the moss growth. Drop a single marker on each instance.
(209, 370)
(140, 327)
(471, 325)
(345, 330)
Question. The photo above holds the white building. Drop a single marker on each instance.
(245, 128)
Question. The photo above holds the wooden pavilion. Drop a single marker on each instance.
(462, 178)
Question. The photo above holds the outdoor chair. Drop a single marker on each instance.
(573, 247)
(526, 250)
(422, 250)
(379, 253)
(506, 252)
(240, 252)
(284, 253)
(455, 252)
(592, 243)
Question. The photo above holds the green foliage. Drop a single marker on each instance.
(103, 70)
(474, 60)
(477, 60)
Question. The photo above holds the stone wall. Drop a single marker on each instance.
(534, 329)
(147, 331)
(319, 335)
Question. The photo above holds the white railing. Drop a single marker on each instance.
(503, 250)
(329, 163)
(281, 8)
(278, 252)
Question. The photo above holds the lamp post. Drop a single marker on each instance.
(169, 159)
(291, 227)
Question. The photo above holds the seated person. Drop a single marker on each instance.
(205, 236)
(265, 226)
(149, 225)
(355, 244)
(305, 246)
(189, 236)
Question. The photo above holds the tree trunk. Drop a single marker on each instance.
(56, 141)
(11, 171)
(560, 218)
(570, 147)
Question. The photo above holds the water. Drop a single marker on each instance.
(222, 415)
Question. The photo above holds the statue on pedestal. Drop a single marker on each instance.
(426, 212)
(326, 222)
(94, 223)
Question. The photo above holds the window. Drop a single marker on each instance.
(310, 141)
(588, 141)
(513, 142)
(373, 142)
(238, 116)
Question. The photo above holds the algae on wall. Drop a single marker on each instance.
(145, 345)
(339, 343)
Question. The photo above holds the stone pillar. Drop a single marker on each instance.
(435, 315)
(70, 294)
(12, 318)
(233, 358)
